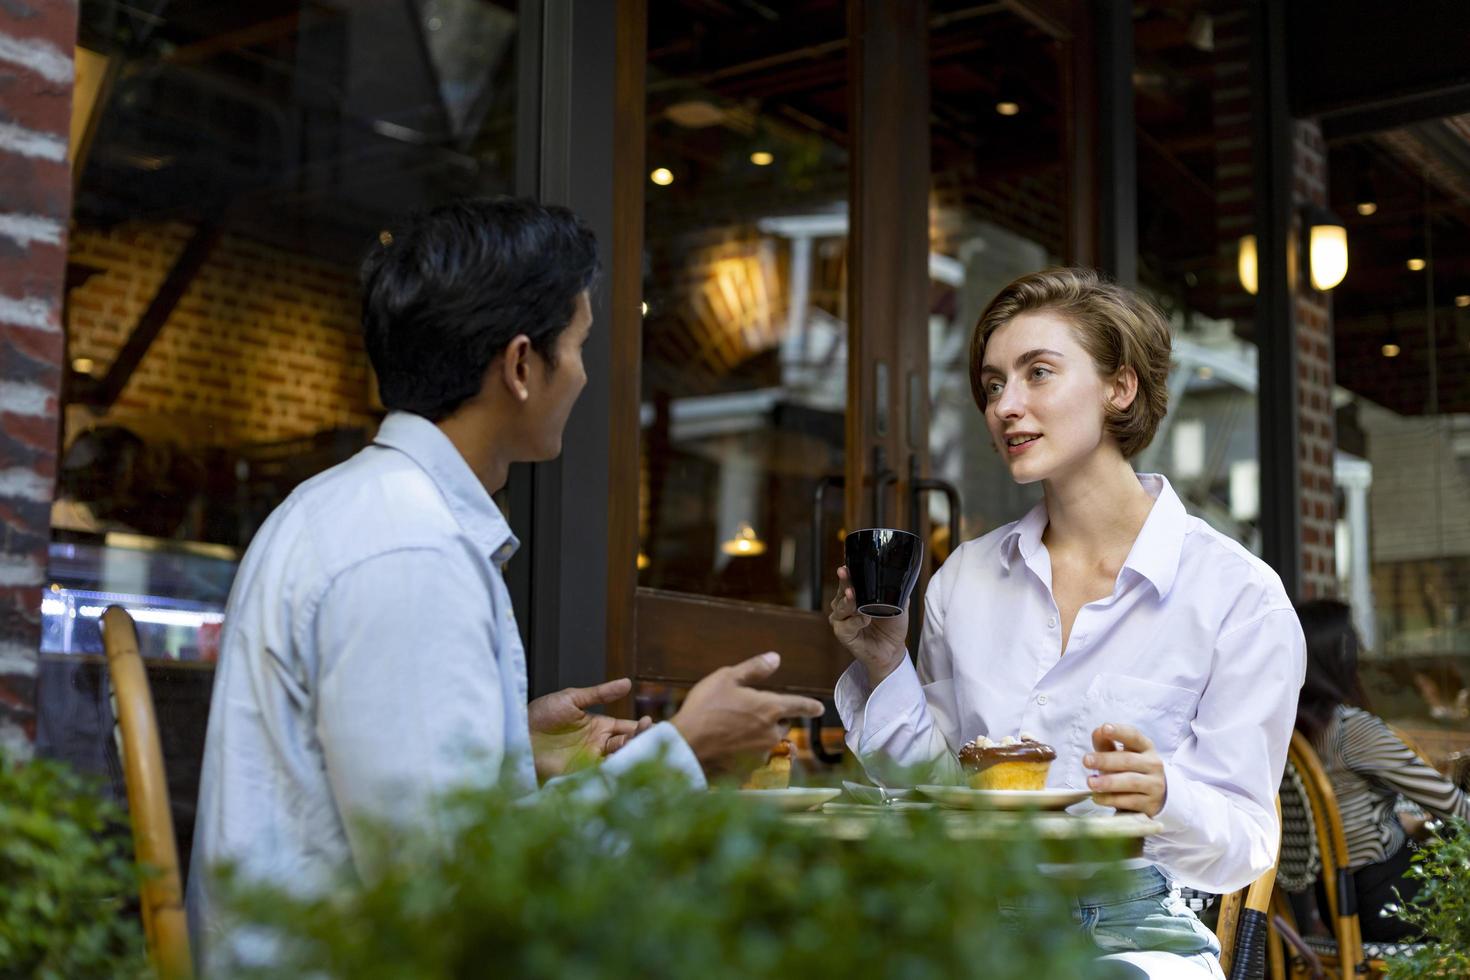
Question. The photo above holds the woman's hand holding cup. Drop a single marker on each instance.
(876, 643)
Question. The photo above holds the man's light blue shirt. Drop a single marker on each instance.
(370, 661)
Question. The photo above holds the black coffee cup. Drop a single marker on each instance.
(883, 568)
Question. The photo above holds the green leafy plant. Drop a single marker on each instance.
(1441, 910)
(65, 878)
(652, 880)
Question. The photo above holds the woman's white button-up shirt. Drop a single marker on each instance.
(1198, 646)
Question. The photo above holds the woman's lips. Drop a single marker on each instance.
(1019, 449)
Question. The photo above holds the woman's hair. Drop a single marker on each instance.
(1118, 329)
(1332, 665)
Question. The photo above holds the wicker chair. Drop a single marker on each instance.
(148, 805)
(1315, 828)
(1244, 928)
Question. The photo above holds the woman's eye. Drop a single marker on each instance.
(993, 388)
(1039, 372)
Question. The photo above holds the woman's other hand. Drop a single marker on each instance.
(1131, 779)
(877, 644)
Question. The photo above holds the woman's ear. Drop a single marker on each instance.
(1122, 389)
(515, 368)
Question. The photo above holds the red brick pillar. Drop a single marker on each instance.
(1311, 311)
(37, 40)
(1318, 432)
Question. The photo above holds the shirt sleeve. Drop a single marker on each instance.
(1372, 750)
(409, 699)
(903, 731)
(410, 702)
(1220, 826)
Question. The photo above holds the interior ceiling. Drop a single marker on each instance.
(305, 124)
(309, 123)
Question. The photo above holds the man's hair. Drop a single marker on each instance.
(446, 292)
(1114, 325)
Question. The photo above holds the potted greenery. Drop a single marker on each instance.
(1441, 909)
(651, 880)
(66, 879)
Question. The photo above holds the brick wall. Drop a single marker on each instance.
(1312, 311)
(36, 41)
(264, 345)
(1317, 424)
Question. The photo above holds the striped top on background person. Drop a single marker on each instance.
(1370, 768)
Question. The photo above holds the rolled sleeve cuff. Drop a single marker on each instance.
(662, 742)
(1180, 811)
(872, 713)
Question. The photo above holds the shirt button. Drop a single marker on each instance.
(1041, 699)
(1051, 623)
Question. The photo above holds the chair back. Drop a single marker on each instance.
(1244, 924)
(148, 804)
(1331, 844)
(1300, 864)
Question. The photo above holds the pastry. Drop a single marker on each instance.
(1011, 763)
(775, 774)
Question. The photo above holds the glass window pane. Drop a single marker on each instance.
(1402, 397)
(745, 326)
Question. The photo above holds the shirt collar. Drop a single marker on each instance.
(423, 442)
(1155, 553)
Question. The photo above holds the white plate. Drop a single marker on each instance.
(793, 797)
(876, 809)
(864, 793)
(964, 798)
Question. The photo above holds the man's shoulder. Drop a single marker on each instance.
(377, 503)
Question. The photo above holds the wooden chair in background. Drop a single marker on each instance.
(1244, 928)
(1344, 953)
(148, 804)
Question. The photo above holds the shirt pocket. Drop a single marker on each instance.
(1161, 711)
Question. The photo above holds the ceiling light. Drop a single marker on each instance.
(1462, 301)
(1366, 208)
(83, 365)
(695, 113)
(1007, 108)
(643, 561)
(1416, 265)
(762, 158)
(1391, 350)
(663, 176)
(744, 543)
(644, 306)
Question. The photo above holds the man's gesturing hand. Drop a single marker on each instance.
(1131, 779)
(564, 736)
(725, 721)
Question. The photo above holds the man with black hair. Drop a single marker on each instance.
(370, 658)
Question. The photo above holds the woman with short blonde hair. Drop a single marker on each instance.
(1157, 658)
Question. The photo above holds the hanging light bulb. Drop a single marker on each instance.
(1327, 247)
(744, 544)
(1245, 265)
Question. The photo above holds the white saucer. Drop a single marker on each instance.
(964, 798)
(793, 797)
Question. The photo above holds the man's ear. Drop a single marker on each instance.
(515, 368)
(1123, 389)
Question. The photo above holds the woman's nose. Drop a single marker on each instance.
(1010, 404)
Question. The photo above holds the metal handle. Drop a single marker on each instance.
(814, 729)
(883, 478)
(819, 499)
(918, 486)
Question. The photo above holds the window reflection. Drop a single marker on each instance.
(745, 333)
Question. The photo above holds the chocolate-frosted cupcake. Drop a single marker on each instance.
(1011, 763)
